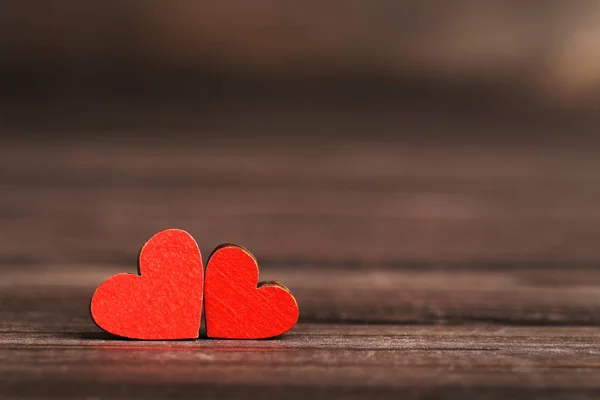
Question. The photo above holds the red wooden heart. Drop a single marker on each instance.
(164, 301)
(235, 307)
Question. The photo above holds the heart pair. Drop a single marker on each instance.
(164, 301)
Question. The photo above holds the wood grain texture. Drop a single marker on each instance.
(318, 360)
(369, 203)
(421, 271)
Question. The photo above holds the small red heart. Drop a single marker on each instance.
(237, 306)
(164, 301)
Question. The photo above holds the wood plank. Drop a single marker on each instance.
(397, 296)
(88, 202)
(321, 360)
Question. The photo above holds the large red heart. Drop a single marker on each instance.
(164, 301)
(236, 306)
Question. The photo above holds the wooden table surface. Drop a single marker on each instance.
(421, 270)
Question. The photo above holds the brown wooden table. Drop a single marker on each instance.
(422, 270)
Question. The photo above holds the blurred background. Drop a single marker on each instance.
(398, 135)
(189, 64)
